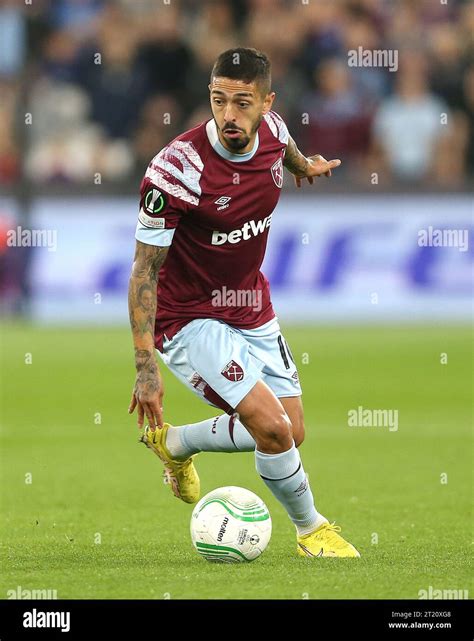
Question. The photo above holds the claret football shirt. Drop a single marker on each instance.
(213, 209)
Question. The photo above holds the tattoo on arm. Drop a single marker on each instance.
(147, 371)
(142, 302)
(294, 160)
(148, 261)
(147, 368)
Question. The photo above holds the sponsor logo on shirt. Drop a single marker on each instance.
(247, 231)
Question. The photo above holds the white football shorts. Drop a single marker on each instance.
(221, 363)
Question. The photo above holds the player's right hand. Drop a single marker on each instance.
(147, 397)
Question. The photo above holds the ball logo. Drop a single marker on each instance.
(230, 525)
(222, 530)
(233, 372)
(277, 173)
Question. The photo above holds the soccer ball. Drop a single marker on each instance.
(231, 525)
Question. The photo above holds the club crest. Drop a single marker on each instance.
(277, 173)
(233, 372)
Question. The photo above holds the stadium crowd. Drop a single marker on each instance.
(94, 87)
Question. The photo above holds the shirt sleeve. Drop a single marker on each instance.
(158, 215)
(169, 189)
(277, 126)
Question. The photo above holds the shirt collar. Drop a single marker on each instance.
(211, 130)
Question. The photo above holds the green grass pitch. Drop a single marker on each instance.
(96, 521)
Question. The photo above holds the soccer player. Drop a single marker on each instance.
(206, 207)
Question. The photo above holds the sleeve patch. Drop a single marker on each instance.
(151, 222)
(154, 201)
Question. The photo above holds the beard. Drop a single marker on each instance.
(236, 144)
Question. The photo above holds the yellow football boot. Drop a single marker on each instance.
(180, 475)
(325, 541)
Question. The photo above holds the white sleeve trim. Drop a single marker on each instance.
(156, 237)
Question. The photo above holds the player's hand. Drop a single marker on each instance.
(317, 166)
(147, 397)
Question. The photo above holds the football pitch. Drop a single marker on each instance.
(85, 512)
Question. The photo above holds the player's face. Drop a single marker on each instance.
(238, 108)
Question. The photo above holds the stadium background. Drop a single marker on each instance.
(90, 91)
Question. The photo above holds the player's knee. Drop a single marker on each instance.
(278, 432)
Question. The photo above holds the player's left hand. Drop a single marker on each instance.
(317, 166)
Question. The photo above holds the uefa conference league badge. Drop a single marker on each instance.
(153, 204)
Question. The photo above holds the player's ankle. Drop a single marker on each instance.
(302, 530)
(175, 446)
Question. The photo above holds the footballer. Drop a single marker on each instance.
(205, 212)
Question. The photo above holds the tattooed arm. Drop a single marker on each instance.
(148, 390)
(306, 167)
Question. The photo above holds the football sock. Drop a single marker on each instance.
(285, 477)
(219, 434)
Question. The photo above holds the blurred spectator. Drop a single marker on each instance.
(159, 123)
(322, 37)
(215, 17)
(411, 126)
(212, 31)
(9, 154)
(447, 64)
(373, 82)
(114, 78)
(197, 116)
(338, 116)
(162, 51)
(288, 84)
(260, 31)
(60, 56)
(405, 30)
(74, 14)
(13, 39)
(65, 146)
